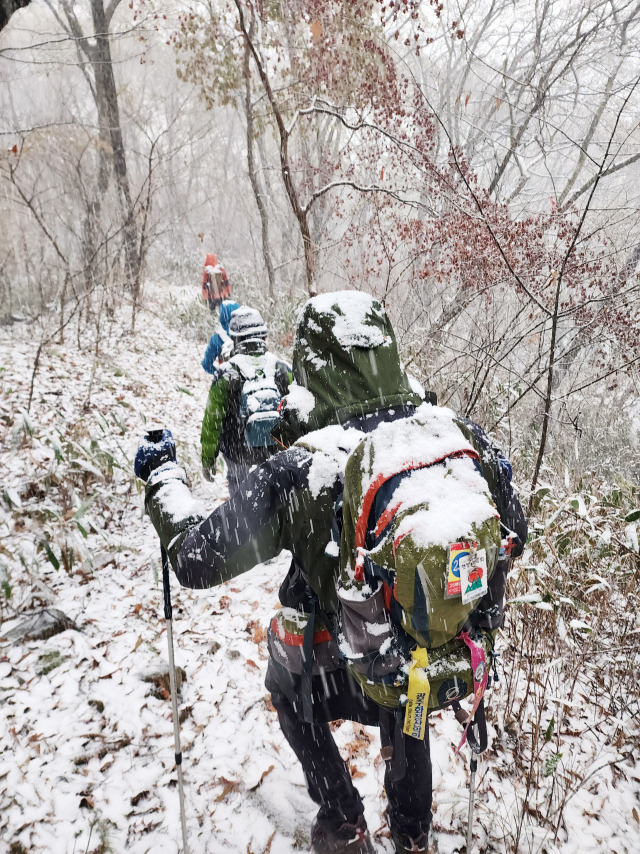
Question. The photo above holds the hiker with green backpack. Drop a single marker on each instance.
(402, 522)
(242, 406)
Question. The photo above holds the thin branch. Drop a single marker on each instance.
(109, 11)
(374, 188)
(610, 171)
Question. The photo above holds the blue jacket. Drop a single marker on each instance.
(217, 341)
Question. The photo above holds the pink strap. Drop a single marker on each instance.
(480, 678)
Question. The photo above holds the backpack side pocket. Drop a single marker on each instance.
(367, 637)
(285, 639)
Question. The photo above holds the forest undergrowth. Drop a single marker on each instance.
(562, 772)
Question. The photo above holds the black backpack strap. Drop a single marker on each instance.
(306, 679)
(315, 608)
(237, 369)
(236, 379)
(336, 523)
(281, 377)
(477, 732)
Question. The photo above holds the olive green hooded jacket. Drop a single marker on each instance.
(347, 372)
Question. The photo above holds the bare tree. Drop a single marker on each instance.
(253, 171)
(96, 47)
(528, 101)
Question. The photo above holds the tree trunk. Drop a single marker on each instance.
(8, 7)
(253, 176)
(109, 120)
(300, 213)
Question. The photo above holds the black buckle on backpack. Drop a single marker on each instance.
(306, 679)
(477, 737)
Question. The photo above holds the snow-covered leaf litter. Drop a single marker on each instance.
(87, 751)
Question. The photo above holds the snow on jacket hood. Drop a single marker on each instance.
(345, 364)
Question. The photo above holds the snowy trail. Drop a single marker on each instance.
(87, 750)
(87, 747)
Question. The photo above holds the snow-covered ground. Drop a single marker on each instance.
(86, 762)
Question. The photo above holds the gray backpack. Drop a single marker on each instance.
(259, 398)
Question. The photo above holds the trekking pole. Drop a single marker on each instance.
(476, 737)
(168, 615)
(473, 767)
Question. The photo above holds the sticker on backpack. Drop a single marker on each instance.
(474, 582)
(457, 553)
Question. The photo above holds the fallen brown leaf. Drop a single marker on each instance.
(264, 774)
(228, 787)
(256, 630)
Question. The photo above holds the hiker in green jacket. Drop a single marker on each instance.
(242, 407)
(348, 381)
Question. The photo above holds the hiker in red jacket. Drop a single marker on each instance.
(215, 284)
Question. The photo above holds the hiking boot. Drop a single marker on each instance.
(406, 843)
(349, 838)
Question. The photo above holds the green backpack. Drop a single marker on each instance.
(420, 538)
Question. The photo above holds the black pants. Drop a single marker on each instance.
(328, 779)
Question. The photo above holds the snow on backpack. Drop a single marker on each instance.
(420, 537)
(259, 399)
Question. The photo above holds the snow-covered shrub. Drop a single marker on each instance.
(195, 317)
(572, 654)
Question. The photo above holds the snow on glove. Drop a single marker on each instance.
(156, 448)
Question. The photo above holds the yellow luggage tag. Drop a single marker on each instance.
(415, 716)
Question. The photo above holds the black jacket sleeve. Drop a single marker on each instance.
(246, 530)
